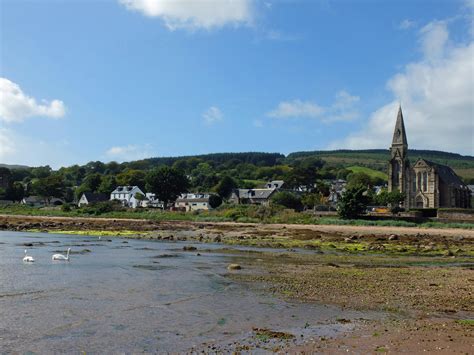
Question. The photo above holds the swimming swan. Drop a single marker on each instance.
(61, 256)
(28, 259)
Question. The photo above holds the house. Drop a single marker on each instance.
(193, 202)
(152, 201)
(126, 195)
(89, 197)
(275, 184)
(338, 187)
(252, 196)
(39, 201)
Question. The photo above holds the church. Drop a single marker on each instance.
(425, 184)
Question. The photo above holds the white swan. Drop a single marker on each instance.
(61, 256)
(28, 259)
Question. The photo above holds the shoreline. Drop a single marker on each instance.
(424, 277)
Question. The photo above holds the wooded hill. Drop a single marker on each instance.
(376, 159)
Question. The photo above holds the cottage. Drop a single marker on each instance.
(88, 198)
(252, 196)
(126, 195)
(193, 202)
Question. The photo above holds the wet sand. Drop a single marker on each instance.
(423, 278)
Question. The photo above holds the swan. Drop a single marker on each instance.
(61, 256)
(28, 259)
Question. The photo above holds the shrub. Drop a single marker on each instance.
(353, 202)
(288, 200)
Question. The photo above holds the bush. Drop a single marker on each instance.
(288, 200)
(103, 207)
(353, 202)
(66, 207)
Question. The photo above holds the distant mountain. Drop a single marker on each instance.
(13, 166)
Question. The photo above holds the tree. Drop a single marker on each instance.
(15, 192)
(288, 200)
(48, 187)
(302, 176)
(167, 183)
(107, 185)
(215, 201)
(132, 178)
(357, 179)
(140, 197)
(310, 200)
(353, 202)
(225, 186)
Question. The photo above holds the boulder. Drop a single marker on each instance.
(234, 267)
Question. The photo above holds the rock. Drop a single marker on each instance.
(217, 239)
(234, 267)
(189, 248)
(393, 237)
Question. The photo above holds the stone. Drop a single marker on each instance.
(189, 248)
(393, 237)
(234, 267)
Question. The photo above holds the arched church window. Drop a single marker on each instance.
(418, 178)
(425, 181)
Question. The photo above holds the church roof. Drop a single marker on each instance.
(399, 134)
(445, 173)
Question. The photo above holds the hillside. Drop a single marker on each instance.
(376, 159)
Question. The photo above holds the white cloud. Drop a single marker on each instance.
(212, 115)
(433, 39)
(195, 14)
(342, 109)
(406, 24)
(129, 152)
(436, 93)
(296, 108)
(15, 106)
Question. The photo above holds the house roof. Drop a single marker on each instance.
(278, 183)
(445, 173)
(95, 197)
(125, 189)
(257, 193)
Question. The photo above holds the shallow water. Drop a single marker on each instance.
(120, 295)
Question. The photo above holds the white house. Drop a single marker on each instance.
(193, 202)
(126, 194)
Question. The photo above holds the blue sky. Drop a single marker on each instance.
(129, 79)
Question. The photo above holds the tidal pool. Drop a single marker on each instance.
(126, 295)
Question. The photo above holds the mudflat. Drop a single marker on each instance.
(423, 277)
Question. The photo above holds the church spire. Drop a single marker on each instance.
(399, 134)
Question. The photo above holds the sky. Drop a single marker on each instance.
(120, 80)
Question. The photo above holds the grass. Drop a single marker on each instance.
(371, 172)
(469, 322)
(234, 213)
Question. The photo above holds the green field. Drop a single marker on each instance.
(371, 172)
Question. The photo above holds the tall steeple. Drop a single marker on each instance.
(399, 134)
(399, 175)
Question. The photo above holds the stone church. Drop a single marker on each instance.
(425, 184)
